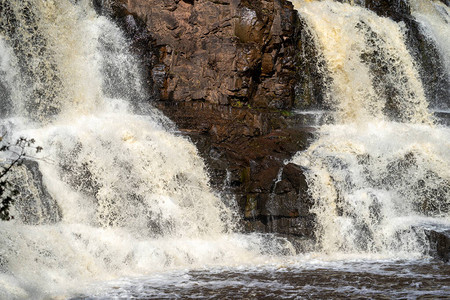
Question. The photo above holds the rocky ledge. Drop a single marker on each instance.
(225, 72)
(247, 152)
(229, 73)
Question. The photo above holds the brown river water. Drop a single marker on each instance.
(315, 279)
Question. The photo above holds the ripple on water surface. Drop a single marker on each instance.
(306, 280)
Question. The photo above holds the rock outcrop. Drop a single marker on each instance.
(439, 243)
(225, 72)
(228, 73)
(226, 52)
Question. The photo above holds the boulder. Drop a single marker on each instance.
(439, 243)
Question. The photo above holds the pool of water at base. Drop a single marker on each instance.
(316, 279)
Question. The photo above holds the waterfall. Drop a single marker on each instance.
(379, 175)
(373, 74)
(434, 19)
(114, 192)
(117, 192)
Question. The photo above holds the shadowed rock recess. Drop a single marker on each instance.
(229, 73)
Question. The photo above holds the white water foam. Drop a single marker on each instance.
(376, 178)
(374, 182)
(371, 69)
(434, 19)
(125, 195)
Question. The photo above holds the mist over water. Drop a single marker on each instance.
(117, 193)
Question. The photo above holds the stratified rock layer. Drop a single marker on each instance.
(225, 72)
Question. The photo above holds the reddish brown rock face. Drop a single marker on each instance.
(223, 51)
(224, 69)
(247, 149)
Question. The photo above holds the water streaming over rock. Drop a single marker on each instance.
(380, 173)
(373, 74)
(116, 192)
(434, 19)
(113, 192)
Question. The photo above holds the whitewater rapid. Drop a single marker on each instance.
(378, 175)
(116, 192)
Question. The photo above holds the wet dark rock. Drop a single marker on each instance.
(396, 9)
(250, 147)
(286, 209)
(34, 205)
(297, 228)
(5, 100)
(443, 118)
(439, 243)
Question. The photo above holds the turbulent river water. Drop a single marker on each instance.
(117, 205)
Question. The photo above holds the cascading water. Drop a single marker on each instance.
(433, 18)
(116, 193)
(372, 72)
(113, 193)
(380, 174)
